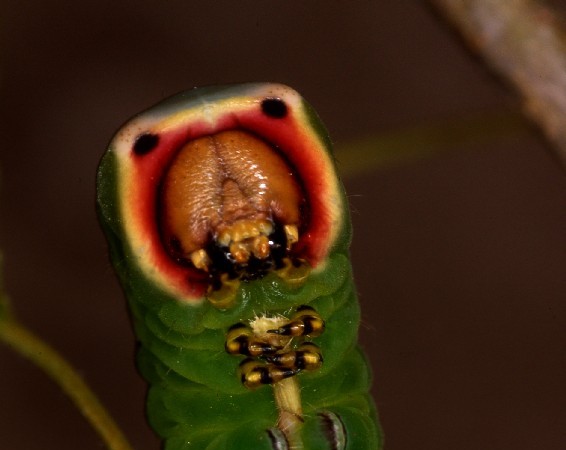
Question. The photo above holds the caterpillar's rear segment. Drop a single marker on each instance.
(221, 207)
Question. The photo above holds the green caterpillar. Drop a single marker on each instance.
(228, 228)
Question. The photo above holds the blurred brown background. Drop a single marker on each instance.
(459, 258)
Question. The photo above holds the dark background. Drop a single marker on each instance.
(459, 258)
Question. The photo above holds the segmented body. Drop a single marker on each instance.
(183, 307)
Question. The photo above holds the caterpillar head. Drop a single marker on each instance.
(220, 186)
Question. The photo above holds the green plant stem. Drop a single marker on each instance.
(52, 363)
(408, 145)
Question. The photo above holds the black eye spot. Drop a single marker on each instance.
(145, 143)
(274, 107)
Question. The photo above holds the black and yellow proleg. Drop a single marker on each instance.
(241, 340)
(307, 357)
(254, 373)
(305, 322)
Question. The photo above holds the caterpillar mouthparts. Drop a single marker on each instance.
(231, 206)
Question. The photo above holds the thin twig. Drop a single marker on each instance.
(52, 363)
(523, 41)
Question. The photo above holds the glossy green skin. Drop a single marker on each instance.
(196, 399)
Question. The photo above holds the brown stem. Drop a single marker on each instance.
(522, 40)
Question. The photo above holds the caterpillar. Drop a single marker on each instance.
(229, 231)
